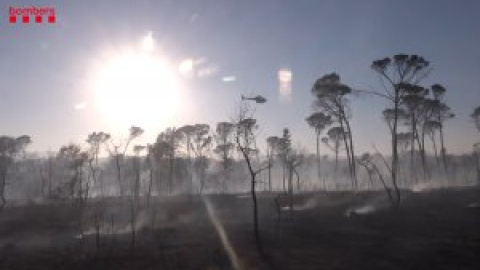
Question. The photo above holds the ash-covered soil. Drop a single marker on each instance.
(337, 230)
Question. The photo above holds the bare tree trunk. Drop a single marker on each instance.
(269, 178)
(256, 228)
(421, 149)
(435, 151)
(226, 169)
(189, 165)
(150, 184)
(270, 161)
(50, 174)
(443, 151)
(190, 173)
(112, 226)
(170, 175)
(97, 236)
(202, 175)
(3, 199)
(136, 186)
(319, 172)
(412, 148)
(158, 179)
(477, 161)
(385, 186)
(298, 179)
(394, 169)
(347, 148)
(370, 178)
(4, 164)
(119, 175)
(353, 170)
(290, 187)
(133, 220)
(324, 180)
(423, 153)
(336, 164)
(98, 220)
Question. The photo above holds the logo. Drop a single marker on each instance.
(31, 14)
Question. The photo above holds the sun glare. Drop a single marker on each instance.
(137, 87)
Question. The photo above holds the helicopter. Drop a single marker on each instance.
(258, 99)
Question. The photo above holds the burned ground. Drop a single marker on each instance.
(336, 230)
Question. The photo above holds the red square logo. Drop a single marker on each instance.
(13, 19)
(25, 19)
(51, 19)
(38, 19)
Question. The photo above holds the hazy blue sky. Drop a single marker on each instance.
(46, 70)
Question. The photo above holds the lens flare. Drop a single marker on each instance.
(222, 234)
(285, 83)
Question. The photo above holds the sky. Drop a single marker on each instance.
(62, 81)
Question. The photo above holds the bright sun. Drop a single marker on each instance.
(135, 86)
